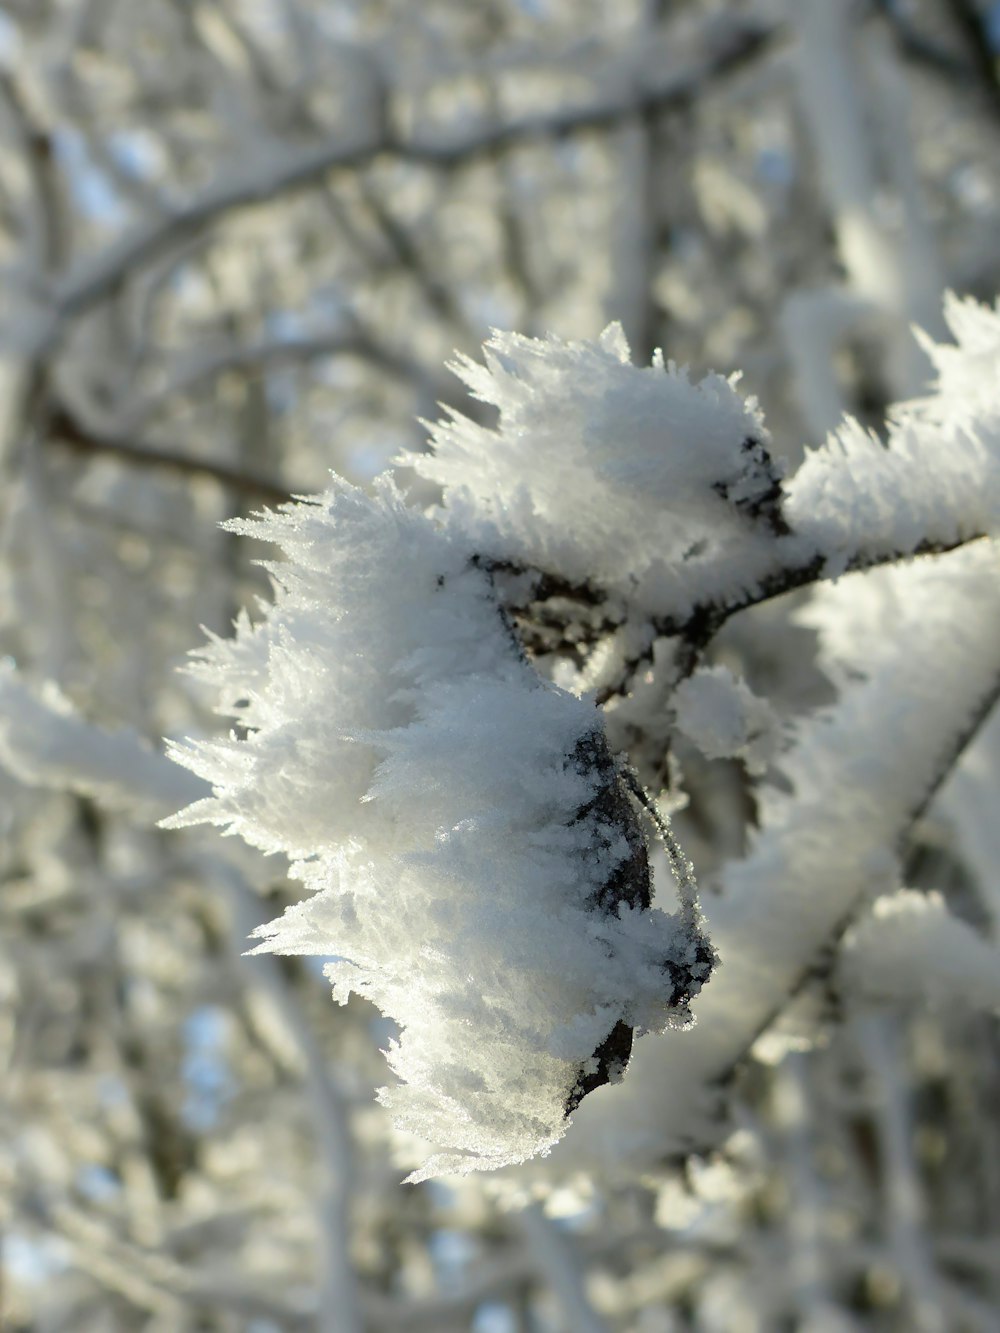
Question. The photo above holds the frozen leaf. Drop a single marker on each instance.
(471, 853)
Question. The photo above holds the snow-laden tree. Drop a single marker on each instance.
(575, 623)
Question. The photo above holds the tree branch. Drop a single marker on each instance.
(71, 433)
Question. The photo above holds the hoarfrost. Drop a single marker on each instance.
(630, 468)
(471, 853)
(936, 479)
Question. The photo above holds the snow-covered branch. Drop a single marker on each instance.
(398, 746)
(824, 848)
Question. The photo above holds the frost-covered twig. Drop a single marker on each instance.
(188, 373)
(44, 220)
(893, 277)
(910, 950)
(810, 1279)
(680, 866)
(151, 1281)
(693, 522)
(333, 760)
